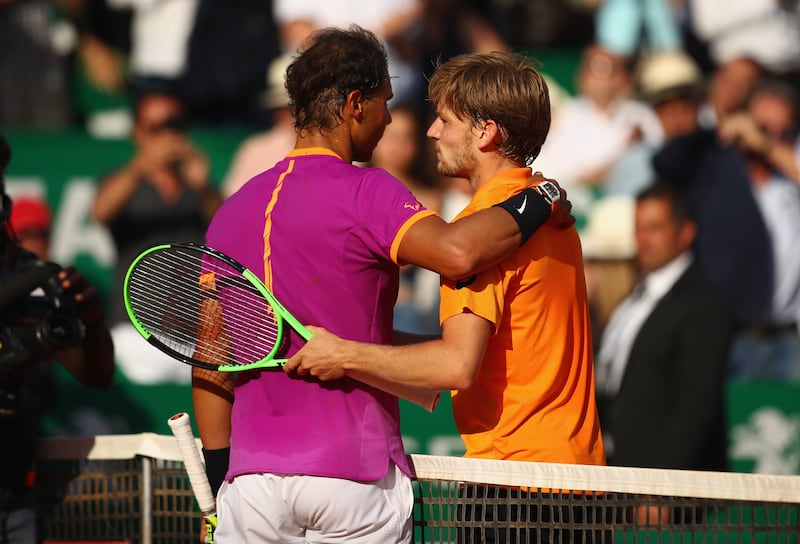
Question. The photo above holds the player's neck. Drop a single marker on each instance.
(337, 140)
(488, 167)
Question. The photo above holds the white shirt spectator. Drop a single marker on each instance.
(767, 31)
(159, 35)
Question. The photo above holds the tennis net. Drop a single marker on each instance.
(479, 500)
(132, 488)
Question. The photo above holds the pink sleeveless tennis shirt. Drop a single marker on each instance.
(323, 235)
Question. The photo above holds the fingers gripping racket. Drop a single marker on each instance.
(182, 429)
(203, 308)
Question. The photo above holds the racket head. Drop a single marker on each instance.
(203, 308)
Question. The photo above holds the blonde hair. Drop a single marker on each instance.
(503, 87)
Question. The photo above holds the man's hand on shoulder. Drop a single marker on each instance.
(561, 208)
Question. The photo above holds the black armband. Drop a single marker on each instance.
(530, 209)
(216, 466)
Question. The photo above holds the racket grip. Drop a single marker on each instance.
(181, 427)
(424, 398)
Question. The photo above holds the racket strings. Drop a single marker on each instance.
(202, 308)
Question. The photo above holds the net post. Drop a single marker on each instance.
(147, 499)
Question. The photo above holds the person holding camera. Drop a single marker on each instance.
(162, 193)
(46, 313)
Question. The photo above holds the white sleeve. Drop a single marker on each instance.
(713, 17)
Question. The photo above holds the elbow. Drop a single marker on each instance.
(460, 261)
(460, 382)
(462, 376)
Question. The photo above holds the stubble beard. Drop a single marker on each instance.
(461, 165)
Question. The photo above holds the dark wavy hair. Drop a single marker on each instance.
(335, 62)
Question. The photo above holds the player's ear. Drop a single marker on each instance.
(489, 134)
(355, 104)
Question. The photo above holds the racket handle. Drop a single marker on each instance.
(181, 427)
(424, 398)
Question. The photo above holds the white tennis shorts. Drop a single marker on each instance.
(269, 508)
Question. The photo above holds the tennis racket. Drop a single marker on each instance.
(203, 308)
(182, 429)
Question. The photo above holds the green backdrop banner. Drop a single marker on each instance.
(764, 419)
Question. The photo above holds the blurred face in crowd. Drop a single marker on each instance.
(678, 116)
(774, 115)
(157, 115)
(36, 241)
(660, 238)
(731, 84)
(399, 146)
(602, 76)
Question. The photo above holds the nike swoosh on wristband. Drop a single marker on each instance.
(522, 206)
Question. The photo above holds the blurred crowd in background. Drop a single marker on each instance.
(701, 92)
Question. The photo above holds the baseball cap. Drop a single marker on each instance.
(29, 214)
(668, 74)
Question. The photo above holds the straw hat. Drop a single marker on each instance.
(668, 74)
(276, 95)
(609, 230)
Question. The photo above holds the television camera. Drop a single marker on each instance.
(36, 314)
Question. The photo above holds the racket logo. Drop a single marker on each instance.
(208, 281)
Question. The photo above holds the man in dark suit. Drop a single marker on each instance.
(661, 363)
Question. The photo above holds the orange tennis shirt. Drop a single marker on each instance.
(533, 399)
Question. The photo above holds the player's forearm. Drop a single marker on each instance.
(212, 397)
(459, 249)
(428, 365)
(476, 242)
(481, 240)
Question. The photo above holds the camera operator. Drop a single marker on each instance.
(46, 313)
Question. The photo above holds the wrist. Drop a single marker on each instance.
(530, 209)
(216, 466)
(550, 193)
